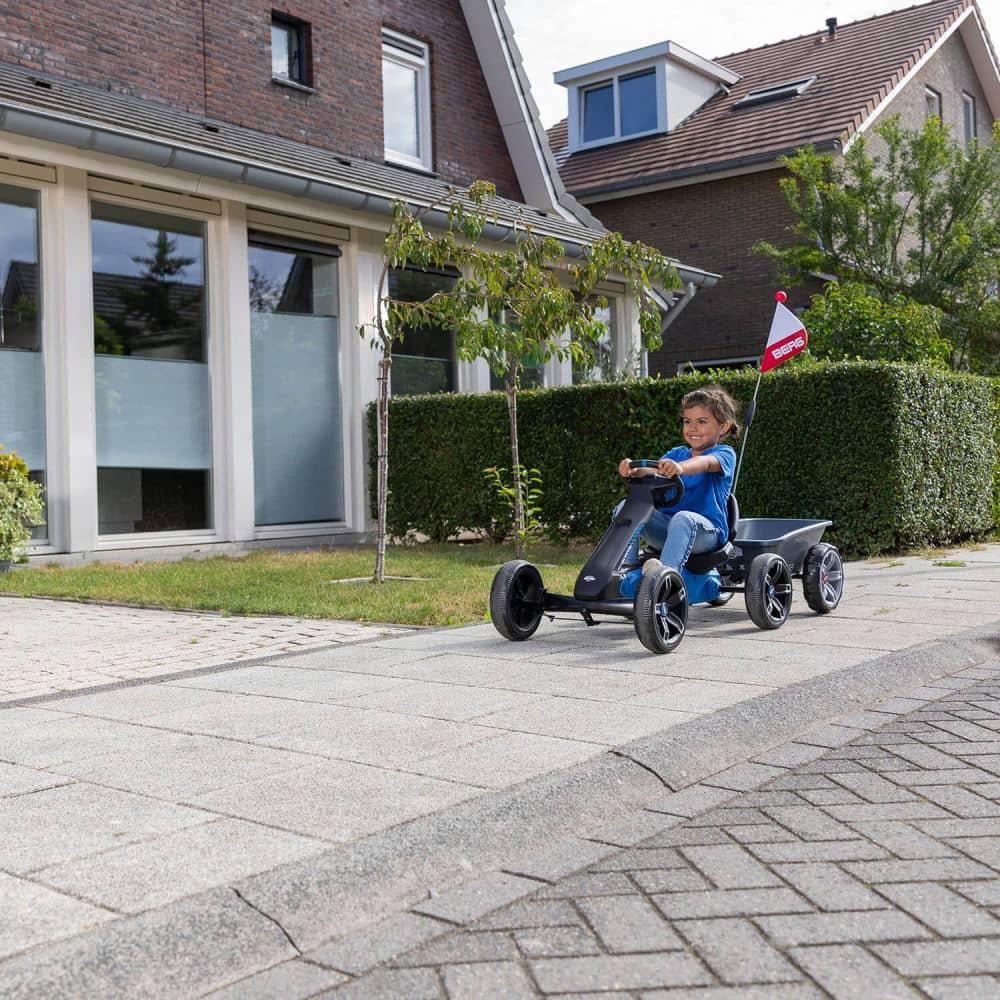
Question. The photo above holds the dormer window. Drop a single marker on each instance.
(637, 93)
(780, 91)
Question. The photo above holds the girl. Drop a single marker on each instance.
(698, 523)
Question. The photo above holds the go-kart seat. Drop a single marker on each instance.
(703, 562)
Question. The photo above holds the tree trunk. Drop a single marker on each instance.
(382, 490)
(515, 457)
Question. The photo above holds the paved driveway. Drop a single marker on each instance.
(328, 788)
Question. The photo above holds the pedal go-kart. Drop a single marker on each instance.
(759, 560)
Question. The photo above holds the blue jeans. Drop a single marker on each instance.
(676, 535)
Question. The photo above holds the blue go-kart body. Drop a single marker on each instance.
(759, 560)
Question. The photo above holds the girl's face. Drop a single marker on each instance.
(701, 428)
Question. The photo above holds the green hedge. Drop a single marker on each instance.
(996, 473)
(895, 455)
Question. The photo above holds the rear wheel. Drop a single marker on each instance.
(661, 611)
(768, 591)
(823, 578)
(516, 600)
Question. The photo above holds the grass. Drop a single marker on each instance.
(455, 591)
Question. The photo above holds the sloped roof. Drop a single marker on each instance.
(855, 71)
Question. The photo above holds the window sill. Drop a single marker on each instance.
(411, 165)
(284, 81)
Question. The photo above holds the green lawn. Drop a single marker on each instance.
(455, 589)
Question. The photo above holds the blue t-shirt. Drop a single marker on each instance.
(707, 493)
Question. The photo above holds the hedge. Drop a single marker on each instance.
(895, 455)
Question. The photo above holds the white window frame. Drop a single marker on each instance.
(415, 55)
(930, 94)
(776, 93)
(970, 129)
(579, 96)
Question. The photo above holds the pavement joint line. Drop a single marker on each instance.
(645, 767)
(277, 923)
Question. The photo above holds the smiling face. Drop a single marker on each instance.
(702, 429)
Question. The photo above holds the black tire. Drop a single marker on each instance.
(661, 611)
(516, 600)
(768, 591)
(823, 578)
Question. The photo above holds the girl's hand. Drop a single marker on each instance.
(625, 467)
(669, 468)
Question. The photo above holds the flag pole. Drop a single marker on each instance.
(752, 408)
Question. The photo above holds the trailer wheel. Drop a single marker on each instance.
(823, 578)
(661, 611)
(768, 591)
(516, 600)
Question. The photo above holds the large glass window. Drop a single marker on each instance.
(406, 100)
(637, 96)
(22, 376)
(294, 307)
(290, 49)
(154, 452)
(619, 107)
(599, 112)
(969, 131)
(600, 366)
(425, 360)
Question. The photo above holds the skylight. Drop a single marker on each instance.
(776, 93)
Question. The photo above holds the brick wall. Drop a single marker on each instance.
(214, 58)
(714, 224)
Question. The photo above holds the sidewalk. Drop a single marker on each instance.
(202, 821)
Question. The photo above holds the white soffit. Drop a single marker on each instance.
(660, 50)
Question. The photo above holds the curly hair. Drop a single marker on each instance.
(718, 402)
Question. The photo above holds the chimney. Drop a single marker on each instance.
(831, 27)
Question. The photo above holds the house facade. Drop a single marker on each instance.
(703, 182)
(192, 208)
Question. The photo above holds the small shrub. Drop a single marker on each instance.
(21, 506)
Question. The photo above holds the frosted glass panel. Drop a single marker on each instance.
(152, 414)
(22, 406)
(296, 419)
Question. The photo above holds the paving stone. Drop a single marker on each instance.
(736, 951)
(761, 833)
(836, 928)
(903, 840)
(942, 958)
(967, 731)
(932, 869)
(927, 757)
(985, 893)
(288, 981)
(468, 946)
(17, 780)
(637, 859)
(633, 829)
(487, 979)
(962, 802)
(941, 909)
(618, 972)
(690, 836)
(391, 984)
(829, 888)
(692, 800)
(556, 942)
(466, 903)
(887, 810)
(945, 828)
(817, 850)
(773, 991)
(790, 755)
(848, 972)
(529, 913)
(743, 777)
(810, 823)
(596, 884)
(954, 776)
(828, 796)
(730, 867)
(873, 788)
(567, 856)
(796, 782)
(729, 903)
(670, 880)
(728, 817)
(984, 849)
(830, 736)
(765, 799)
(961, 988)
(628, 924)
(363, 950)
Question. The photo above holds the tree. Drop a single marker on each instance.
(521, 301)
(921, 219)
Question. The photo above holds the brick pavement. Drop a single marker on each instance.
(865, 869)
(52, 646)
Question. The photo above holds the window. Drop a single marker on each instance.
(425, 360)
(969, 132)
(406, 100)
(532, 372)
(621, 107)
(600, 365)
(22, 376)
(297, 464)
(152, 389)
(932, 100)
(780, 91)
(290, 50)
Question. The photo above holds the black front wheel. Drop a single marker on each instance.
(823, 578)
(661, 611)
(768, 591)
(516, 600)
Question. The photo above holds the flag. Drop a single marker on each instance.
(788, 337)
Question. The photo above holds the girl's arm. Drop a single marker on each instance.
(690, 466)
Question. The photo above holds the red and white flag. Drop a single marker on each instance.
(788, 337)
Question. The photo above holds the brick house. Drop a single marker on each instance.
(692, 166)
(193, 199)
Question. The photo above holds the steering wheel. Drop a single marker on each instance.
(667, 490)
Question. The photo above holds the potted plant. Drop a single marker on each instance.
(21, 507)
